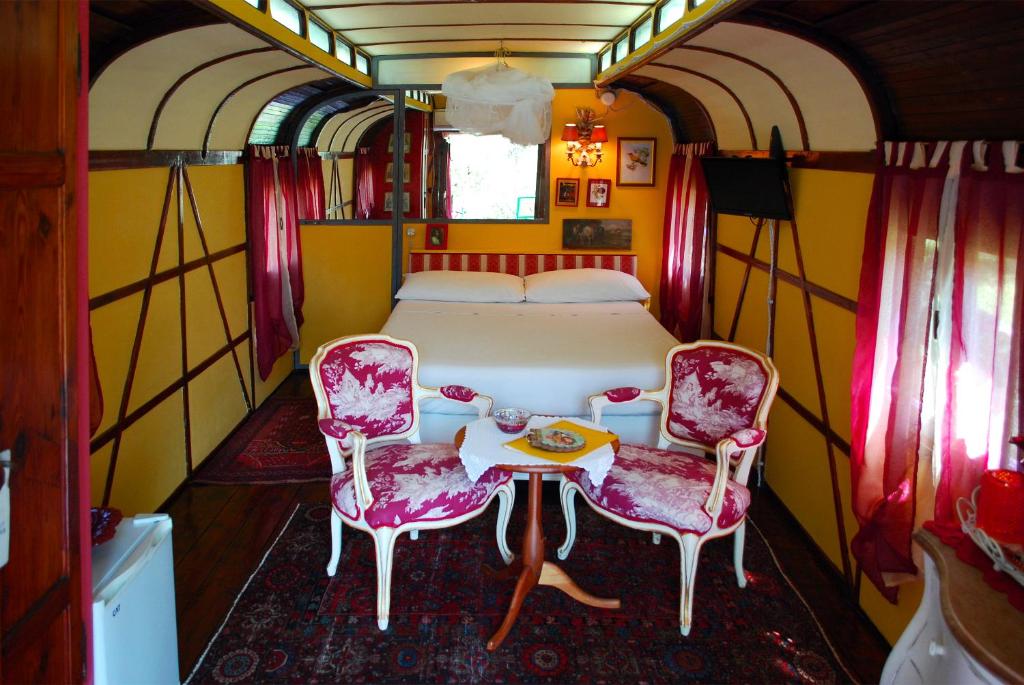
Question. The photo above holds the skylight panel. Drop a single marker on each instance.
(642, 33)
(671, 12)
(319, 37)
(286, 14)
(622, 48)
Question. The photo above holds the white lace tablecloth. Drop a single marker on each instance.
(484, 447)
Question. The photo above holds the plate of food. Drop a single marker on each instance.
(555, 439)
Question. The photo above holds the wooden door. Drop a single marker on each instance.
(41, 614)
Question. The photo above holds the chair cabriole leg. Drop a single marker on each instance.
(689, 550)
(737, 553)
(506, 498)
(568, 496)
(384, 541)
(336, 531)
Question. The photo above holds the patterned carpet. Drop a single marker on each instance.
(293, 624)
(279, 443)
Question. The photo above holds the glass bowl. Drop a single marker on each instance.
(511, 420)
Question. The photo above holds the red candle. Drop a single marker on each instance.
(1001, 505)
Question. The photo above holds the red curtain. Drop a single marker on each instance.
(938, 327)
(983, 377)
(683, 242)
(310, 184)
(364, 184)
(275, 253)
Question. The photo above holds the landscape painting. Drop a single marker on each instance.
(597, 234)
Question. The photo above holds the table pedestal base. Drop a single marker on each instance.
(531, 570)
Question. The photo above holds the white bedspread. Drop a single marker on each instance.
(547, 358)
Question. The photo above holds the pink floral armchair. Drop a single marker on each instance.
(368, 401)
(715, 400)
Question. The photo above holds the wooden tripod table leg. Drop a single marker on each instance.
(533, 570)
(551, 575)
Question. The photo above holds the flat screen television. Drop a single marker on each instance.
(748, 186)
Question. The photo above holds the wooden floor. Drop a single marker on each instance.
(222, 531)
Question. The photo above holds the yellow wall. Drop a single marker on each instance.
(831, 210)
(345, 296)
(124, 216)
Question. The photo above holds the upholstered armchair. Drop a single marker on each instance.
(715, 400)
(368, 411)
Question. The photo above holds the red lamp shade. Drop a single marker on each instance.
(1001, 505)
(570, 132)
(599, 135)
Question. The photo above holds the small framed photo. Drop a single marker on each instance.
(636, 160)
(599, 191)
(407, 143)
(567, 192)
(437, 237)
(389, 201)
(389, 172)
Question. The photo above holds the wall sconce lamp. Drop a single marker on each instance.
(583, 139)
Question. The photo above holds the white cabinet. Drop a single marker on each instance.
(135, 638)
(963, 633)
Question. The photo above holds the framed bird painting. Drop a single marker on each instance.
(636, 161)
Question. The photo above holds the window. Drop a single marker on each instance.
(287, 15)
(622, 48)
(362, 64)
(343, 50)
(671, 12)
(319, 37)
(492, 178)
(605, 60)
(642, 34)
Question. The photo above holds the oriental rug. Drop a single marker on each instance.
(293, 624)
(279, 443)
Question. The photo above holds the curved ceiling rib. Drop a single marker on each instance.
(805, 142)
(186, 76)
(724, 87)
(240, 107)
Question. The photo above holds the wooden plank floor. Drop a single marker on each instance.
(222, 531)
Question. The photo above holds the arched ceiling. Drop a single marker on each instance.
(832, 74)
(196, 89)
(750, 78)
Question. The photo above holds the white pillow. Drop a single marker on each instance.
(583, 285)
(461, 286)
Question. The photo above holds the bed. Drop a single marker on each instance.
(548, 356)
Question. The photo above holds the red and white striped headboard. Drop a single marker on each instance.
(518, 264)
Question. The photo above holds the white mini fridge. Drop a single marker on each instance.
(135, 639)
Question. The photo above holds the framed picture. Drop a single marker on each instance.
(636, 161)
(407, 143)
(599, 191)
(597, 234)
(389, 201)
(437, 237)
(567, 192)
(389, 172)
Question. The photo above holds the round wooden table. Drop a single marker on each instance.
(529, 567)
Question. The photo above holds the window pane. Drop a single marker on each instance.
(492, 178)
(643, 33)
(254, 3)
(605, 60)
(362, 64)
(344, 51)
(622, 48)
(287, 15)
(319, 37)
(670, 13)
